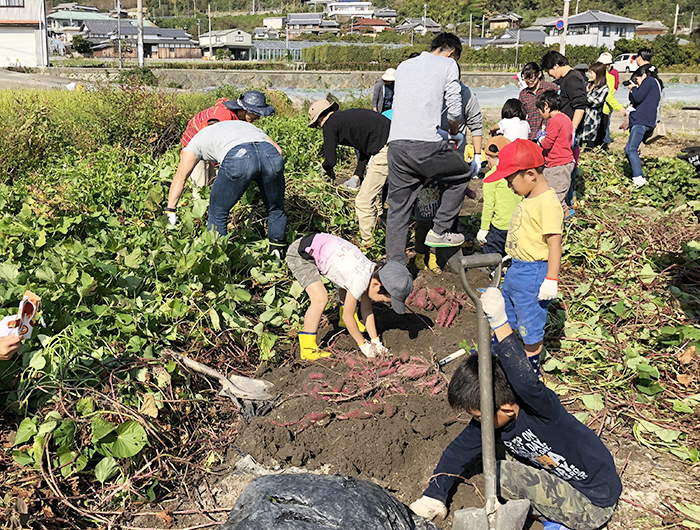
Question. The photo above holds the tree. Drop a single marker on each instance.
(667, 51)
(81, 45)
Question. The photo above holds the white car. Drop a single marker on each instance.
(625, 63)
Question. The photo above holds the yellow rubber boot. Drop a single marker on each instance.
(420, 261)
(309, 349)
(433, 264)
(359, 323)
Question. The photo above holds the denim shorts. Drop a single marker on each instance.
(526, 313)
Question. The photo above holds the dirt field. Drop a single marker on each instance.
(393, 434)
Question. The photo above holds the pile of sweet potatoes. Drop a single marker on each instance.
(448, 304)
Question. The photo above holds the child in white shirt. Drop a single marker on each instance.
(513, 124)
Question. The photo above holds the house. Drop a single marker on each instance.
(594, 28)
(74, 6)
(386, 14)
(23, 34)
(475, 42)
(418, 25)
(274, 22)
(298, 23)
(66, 23)
(344, 10)
(237, 41)
(510, 37)
(504, 21)
(266, 33)
(652, 27)
(160, 43)
(541, 23)
(369, 25)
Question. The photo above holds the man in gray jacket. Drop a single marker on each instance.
(416, 150)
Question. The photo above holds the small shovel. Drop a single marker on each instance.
(493, 516)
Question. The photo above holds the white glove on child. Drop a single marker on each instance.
(548, 289)
(379, 348)
(367, 348)
(494, 306)
(429, 508)
(481, 236)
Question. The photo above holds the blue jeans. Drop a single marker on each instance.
(637, 135)
(526, 314)
(246, 163)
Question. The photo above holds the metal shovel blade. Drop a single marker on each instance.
(508, 516)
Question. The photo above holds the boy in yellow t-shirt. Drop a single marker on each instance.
(534, 243)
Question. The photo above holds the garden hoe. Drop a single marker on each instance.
(494, 515)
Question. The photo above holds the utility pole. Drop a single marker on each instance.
(119, 32)
(577, 3)
(252, 9)
(194, 8)
(139, 33)
(692, 14)
(425, 16)
(483, 25)
(198, 30)
(562, 42)
(675, 22)
(517, 45)
(44, 32)
(470, 30)
(211, 56)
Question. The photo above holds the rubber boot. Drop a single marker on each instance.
(420, 261)
(309, 349)
(433, 264)
(360, 325)
(278, 249)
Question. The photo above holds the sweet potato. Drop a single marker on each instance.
(454, 311)
(421, 300)
(387, 371)
(436, 297)
(404, 356)
(316, 376)
(442, 315)
(350, 362)
(337, 388)
(389, 410)
(354, 415)
(440, 290)
(413, 371)
(438, 389)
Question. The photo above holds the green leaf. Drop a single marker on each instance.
(214, 317)
(269, 297)
(26, 430)
(583, 417)
(38, 361)
(125, 441)
(619, 308)
(9, 271)
(23, 458)
(650, 390)
(593, 401)
(199, 208)
(86, 405)
(679, 406)
(53, 420)
(101, 428)
(295, 290)
(647, 274)
(134, 260)
(106, 469)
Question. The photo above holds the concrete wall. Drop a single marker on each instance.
(198, 79)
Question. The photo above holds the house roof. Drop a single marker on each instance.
(103, 27)
(77, 15)
(541, 22)
(385, 12)
(653, 24)
(222, 32)
(74, 6)
(510, 36)
(410, 23)
(371, 22)
(594, 16)
(304, 18)
(505, 17)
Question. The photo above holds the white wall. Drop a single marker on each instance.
(20, 46)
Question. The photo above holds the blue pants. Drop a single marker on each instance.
(495, 241)
(637, 135)
(246, 163)
(525, 312)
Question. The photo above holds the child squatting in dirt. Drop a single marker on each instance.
(316, 255)
(571, 482)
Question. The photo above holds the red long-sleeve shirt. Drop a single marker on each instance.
(557, 141)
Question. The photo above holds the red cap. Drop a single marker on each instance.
(516, 156)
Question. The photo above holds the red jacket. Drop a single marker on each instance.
(557, 142)
(218, 112)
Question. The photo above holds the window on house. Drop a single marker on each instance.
(239, 38)
(11, 3)
(606, 31)
(621, 31)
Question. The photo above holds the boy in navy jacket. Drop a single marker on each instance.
(570, 478)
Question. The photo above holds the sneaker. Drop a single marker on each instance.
(448, 239)
(353, 184)
(638, 181)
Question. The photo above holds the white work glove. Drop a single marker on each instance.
(477, 159)
(548, 289)
(481, 236)
(379, 348)
(172, 217)
(429, 508)
(494, 306)
(458, 139)
(367, 348)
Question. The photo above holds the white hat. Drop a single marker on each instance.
(389, 75)
(605, 58)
